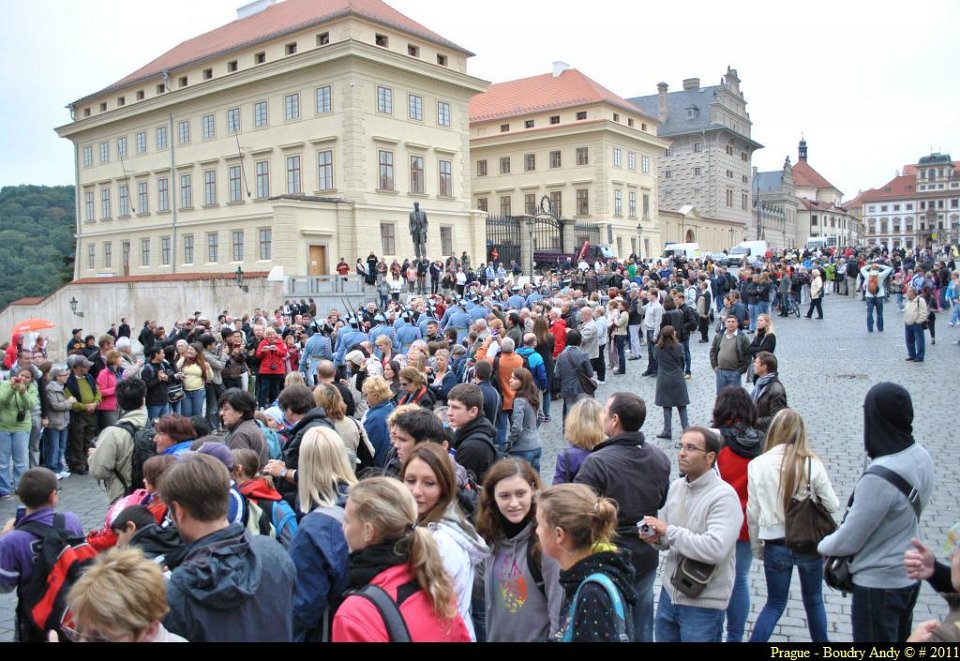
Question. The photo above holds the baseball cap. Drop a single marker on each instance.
(355, 357)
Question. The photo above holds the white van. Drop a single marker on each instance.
(751, 249)
(686, 250)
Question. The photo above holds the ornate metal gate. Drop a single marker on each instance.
(503, 239)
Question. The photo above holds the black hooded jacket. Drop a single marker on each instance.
(594, 620)
(887, 420)
(474, 443)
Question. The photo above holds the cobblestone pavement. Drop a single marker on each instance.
(827, 367)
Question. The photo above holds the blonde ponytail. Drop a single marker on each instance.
(588, 519)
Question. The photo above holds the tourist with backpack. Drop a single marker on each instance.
(25, 564)
(266, 511)
(874, 277)
(521, 582)
(111, 459)
(576, 528)
(319, 549)
(399, 589)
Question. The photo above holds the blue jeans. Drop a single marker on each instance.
(193, 402)
(916, 342)
(687, 358)
(739, 606)
(154, 412)
(532, 456)
(652, 365)
(55, 448)
(754, 310)
(778, 564)
(621, 341)
(874, 303)
(14, 445)
(955, 314)
(687, 624)
(727, 378)
(883, 615)
(643, 611)
(763, 307)
(900, 301)
(503, 421)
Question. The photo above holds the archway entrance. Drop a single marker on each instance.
(690, 237)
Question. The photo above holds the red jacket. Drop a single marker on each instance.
(559, 331)
(733, 470)
(358, 620)
(271, 362)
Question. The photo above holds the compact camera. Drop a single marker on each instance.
(645, 528)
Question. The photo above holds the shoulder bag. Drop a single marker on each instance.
(807, 522)
(588, 385)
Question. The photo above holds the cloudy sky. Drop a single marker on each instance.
(871, 86)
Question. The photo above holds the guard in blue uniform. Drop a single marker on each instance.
(533, 297)
(460, 321)
(348, 338)
(516, 301)
(380, 328)
(425, 318)
(407, 334)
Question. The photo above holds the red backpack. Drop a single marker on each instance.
(61, 559)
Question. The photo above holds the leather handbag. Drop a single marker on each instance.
(837, 574)
(807, 522)
(588, 385)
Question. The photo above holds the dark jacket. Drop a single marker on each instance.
(146, 339)
(232, 587)
(772, 398)
(474, 443)
(375, 424)
(671, 386)
(637, 476)
(594, 621)
(763, 341)
(291, 451)
(569, 362)
(491, 401)
(156, 389)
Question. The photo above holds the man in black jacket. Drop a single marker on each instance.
(474, 440)
(636, 475)
(768, 393)
(147, 336)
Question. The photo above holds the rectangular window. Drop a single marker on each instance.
(506, 206)
(388, 238)
(263, 180)
(186, 191)
(530, 204)
(443, 113)
(233, 120)
(529, 124)
(529, 162)
(161, 137)
(646, 205)
(617, 157)
(632, 203)
(233, 175)
(213, 247)
(163, 194)
(729, 150)
(697, 172)
(124, 209)
(325, 170)
(324, 99)
(142, 142)
(183, 132)
(446, 240)
(668, 174)
(259, 58)
(210, 187)
(291, 106)
(385, 101)
(583, 202)
(645, 164)
(504, 128)
(482, 203)
(441, 60)
(165, 251)
(415, 104)
(382, 40)
(290, 49)
(88, 206)
(104, 152)
(143, 198)
(730, 199)
(293, 175)
(188, 249)
(631, 160)
(556, 203)
(743, 201)
(555, 159)
(260, 114)
(105, 206)
(413, 51)
(482, 168)
(505, 165)
(582, 115)
(697, 147)
(237, 243)
(91, 256)
(144, 252)
(446, 178)
(266, 243)
(108, 255)
(87, 156)
(618, 202)
(386, 170)
(323, 39)
(121, 148)
(417, 175)
(208, 127)
(555, 119)
(583, 156)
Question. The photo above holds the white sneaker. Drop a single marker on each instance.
(600, 381)
(63, 474)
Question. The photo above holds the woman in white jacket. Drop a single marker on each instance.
(773, 479)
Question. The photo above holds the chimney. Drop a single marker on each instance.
(662, 98)
(691, 83)
(559, 68)
(254, 7)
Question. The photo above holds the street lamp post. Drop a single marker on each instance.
(239, 280)
(640, 240)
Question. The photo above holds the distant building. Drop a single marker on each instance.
(564, 137)
(708, 164)
(775, 207)
(821, 212)
(297, 134)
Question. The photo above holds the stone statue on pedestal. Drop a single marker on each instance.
(418, 230)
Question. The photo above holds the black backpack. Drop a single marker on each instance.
(143, 448)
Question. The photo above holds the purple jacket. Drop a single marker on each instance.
(17, 555)
(575, 457)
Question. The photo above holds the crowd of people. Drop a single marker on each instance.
(352, 476)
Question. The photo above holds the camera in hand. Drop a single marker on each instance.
(645, 529)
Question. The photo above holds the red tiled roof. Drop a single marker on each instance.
(903, 186)
(29, 300)
(804, 175)
(282, 18)
(171, 277)
(541, 93)
(912, 168)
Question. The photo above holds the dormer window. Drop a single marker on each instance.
(693, 112)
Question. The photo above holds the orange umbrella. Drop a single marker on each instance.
(30, 325)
